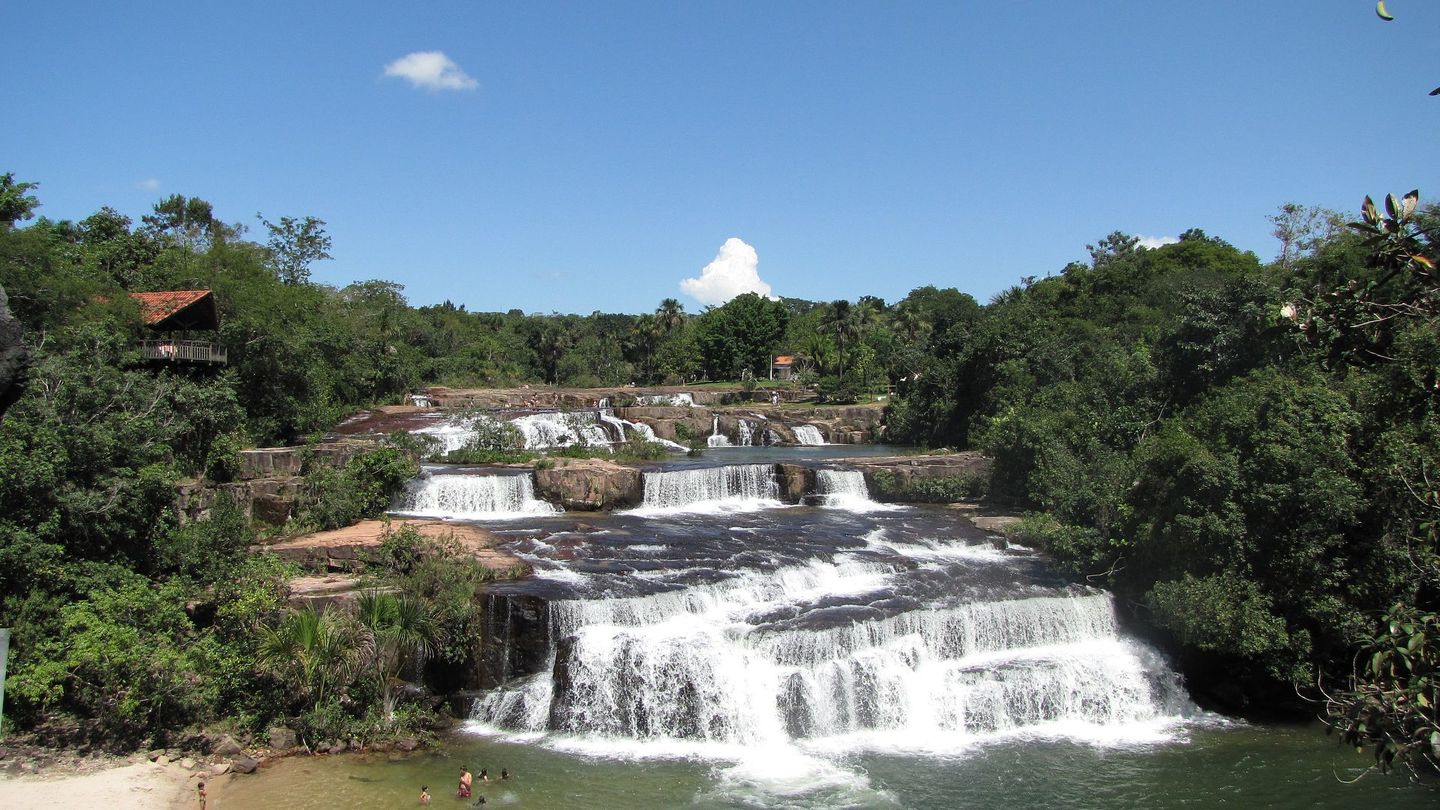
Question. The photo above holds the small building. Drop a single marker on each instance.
(783, 368)
(181, 326)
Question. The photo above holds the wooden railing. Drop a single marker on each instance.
(183, 351)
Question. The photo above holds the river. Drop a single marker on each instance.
(715, 647)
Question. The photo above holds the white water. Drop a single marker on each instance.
(717, 439)
(744, 434)
(808, 435)
(846, 489)
(544, 430)
(742, 487)
(697, 666)
(606, 414)
(471, 497)
(675, 400)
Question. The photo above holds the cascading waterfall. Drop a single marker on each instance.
(741, 486)
(744, 433)
(846, 489)
(544, 430)
(808, 435)
(471, 496)
(674, 400)
(717, 439)
(702, 665)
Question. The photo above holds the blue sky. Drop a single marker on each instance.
(592, 156)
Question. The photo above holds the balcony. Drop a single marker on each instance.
(183, 351)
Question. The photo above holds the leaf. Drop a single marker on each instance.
(1367, 210)
(1411, 200)
(1381, 12)
(1424, 261)
(1435, 92)
(1392, 206)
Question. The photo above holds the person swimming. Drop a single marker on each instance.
(504, 773)
(424, 794)
(484, 775)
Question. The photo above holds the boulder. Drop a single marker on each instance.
(407, 744)
(244, 765)
(187, 763)
(590, 485)
(795, 481)
(220, 769)
(226, 746)
(281, 738)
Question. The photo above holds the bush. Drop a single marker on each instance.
(363, 489)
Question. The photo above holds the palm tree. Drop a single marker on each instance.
(401, 631)
(839, 321)
(670, 315)
(315, 654)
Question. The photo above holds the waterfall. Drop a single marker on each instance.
(808, 435)
(606, 415)
(471, 497)
(543, 430)
(845, 489)
(648, 434)
(703, 665)
(744, 486)
(744, 434)
(717, 439)
(674, 400)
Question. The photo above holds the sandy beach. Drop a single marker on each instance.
(140, 786)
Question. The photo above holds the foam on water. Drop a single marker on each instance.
(471, 497)
(808, 435)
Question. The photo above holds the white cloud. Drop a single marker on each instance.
(734, 271)
(431, 70)
(1153, 242)
(148, 184)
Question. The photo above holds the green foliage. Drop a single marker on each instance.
(937, 489)
(1221, 613)
(739, 336)
(122, 656)
(1390, 705)
(364, 488)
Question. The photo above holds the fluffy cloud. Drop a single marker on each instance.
(1153, 242)
(431, 70)
(148, 184)
(734, 271)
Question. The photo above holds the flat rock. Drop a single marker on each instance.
(352, 547)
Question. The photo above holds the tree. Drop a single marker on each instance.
(295, 245)
(16, 203)
(740, 335)
(315, 654)
(670, 315)
(188, 222)
(402, 633)
(1301, 229)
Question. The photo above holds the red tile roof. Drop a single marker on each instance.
(784, 360)
(157, 306)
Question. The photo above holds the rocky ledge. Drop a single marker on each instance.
(350, 549)
(590, 485)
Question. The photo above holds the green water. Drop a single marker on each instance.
(1233, 766)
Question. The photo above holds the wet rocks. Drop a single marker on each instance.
(590, 485)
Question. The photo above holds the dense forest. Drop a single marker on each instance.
(1241, 450)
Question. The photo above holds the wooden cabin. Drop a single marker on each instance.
(182, 327)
